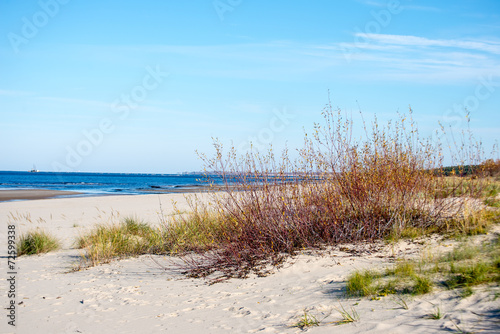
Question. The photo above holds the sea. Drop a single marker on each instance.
(102, 183)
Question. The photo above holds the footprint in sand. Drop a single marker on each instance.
(240, 311)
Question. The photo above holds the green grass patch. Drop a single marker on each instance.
(492, 189)
(468, 224)
(493, 202)
(461, 253)
(474, 223)
(410, 232)
(422, 285)
(36, 242)
(403, 268)
(472, 273)
(360, 283)
(465, 266)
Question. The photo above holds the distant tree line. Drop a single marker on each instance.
(489, 167)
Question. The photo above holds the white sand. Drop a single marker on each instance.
(138, 296)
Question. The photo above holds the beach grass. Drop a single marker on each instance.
(36, 242)
(462, 268)
(132, 237)
(402, 302)
(360, 283)
(196, 231)
(437, 314)
(347, 316)
(306, 320)
(110, 241)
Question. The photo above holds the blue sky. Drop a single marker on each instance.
(138, 86)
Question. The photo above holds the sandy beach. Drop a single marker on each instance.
(149, 295)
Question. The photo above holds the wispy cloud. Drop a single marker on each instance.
(409, 58)
(384, 55)
(381, 56)
(405, 40)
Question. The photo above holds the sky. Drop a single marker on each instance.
(141, 86)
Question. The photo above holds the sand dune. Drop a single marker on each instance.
(149, 295)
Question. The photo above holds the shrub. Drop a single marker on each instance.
(338, 190)
(268, 207)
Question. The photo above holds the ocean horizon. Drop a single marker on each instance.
(93, 183)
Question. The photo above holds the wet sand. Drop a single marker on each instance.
(31, 194)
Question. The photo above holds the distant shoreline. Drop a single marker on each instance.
(32, 194)
(7, 195)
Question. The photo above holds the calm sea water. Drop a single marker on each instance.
(101, 183)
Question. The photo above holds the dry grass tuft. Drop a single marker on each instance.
(36, 242)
